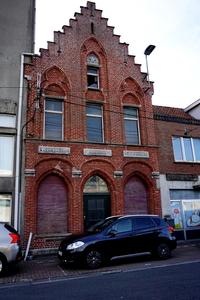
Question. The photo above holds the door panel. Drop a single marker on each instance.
(96, 208)
(135, 197)
(52, 206)
(145, 234)
(120, 243)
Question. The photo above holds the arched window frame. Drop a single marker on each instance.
(93, 72)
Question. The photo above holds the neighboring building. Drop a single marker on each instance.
(194, 109)
(17, 37)
(90, 139)
(178, 136)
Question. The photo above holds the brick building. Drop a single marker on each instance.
(178, 136)
(90, 139)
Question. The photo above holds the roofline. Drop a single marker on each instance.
(191, 106)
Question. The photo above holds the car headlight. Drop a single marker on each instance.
(75, 245)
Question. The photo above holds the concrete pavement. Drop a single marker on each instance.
(49, 267)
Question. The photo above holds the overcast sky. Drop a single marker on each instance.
(173, 26)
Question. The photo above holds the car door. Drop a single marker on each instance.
(145, 234)
(118, 238)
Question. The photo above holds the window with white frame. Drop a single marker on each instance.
(53, 125)
(7, 121)
(186, 149)
(5, 207)
(6, 155)
(131, 125)
(94, 123)
(92, 77)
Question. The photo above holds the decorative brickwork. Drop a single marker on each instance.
(63, 68)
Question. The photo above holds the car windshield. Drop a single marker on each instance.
(100, 226)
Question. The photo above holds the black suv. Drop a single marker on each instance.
(119, 236)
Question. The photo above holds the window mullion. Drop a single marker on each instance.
(193, 152)
(183, 149)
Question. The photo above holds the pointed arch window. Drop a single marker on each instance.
(96, 184)
(131, 125)
(92, 71)
(53, 119)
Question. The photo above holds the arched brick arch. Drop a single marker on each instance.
(52, 205)
(93, 45)
(55, 82)
(131, 85)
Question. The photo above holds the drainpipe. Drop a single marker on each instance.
(18, 140)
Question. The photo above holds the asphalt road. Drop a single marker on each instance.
(180, 281)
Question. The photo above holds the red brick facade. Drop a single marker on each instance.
(63, 69)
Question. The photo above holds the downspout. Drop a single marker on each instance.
(18, 141)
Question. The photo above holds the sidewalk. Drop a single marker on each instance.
(49, 267)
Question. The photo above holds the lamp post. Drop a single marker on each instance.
(147, 52)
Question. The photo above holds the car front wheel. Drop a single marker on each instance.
(93, 259)
(163, 250)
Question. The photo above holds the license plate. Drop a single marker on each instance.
(60, 253)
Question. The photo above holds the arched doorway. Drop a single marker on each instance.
(96, 201)
(52, 206)
(135, 196)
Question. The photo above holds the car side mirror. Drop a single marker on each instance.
(112, 233)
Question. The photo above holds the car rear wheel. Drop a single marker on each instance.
(2, 265)
(93, 259)
(163, 250)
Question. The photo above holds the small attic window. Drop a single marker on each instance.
(92, 60)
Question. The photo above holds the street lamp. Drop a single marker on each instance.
(147, 52)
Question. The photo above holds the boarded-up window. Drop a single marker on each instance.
(135, 196)
(52, 206)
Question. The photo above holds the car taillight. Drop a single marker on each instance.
(171, 229)
(15, 238)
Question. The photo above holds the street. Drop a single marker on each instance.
(48, 267)
(179, 281)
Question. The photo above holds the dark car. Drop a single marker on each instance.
(10, 246)
(119, 236)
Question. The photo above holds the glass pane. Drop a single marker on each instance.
(92, 81)
(123, 226)
(100, 203)
(196, 143)
(94, 129)
(184, 194)
(5, 204)
(53, 126)
(130, 113)
(91, 204)
(131, 132)
(188, 149)
(177, 148)
(191, 213)
(6, 155)
(92, 71)
(53, 105)
(94, 110)
(7, 121)
(95, 185)
(176, 214)
(143, 223)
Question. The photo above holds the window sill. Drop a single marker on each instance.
(93, 89)
(186, 162)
